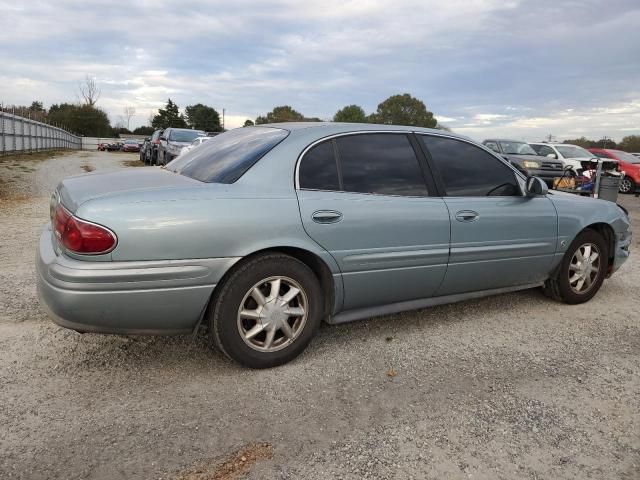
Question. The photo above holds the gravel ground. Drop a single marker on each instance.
(507, 387)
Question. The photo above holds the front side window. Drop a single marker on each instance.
(380, 163)
(469, 171)
(226, 157)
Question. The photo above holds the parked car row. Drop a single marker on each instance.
(165, 145)
(558, 157)
(126, 146)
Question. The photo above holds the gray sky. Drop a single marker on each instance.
(522, 69)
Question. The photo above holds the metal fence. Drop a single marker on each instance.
(19, 134)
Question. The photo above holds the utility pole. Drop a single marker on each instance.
(605, 139)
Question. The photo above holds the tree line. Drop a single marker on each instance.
(87, 119)
(630, 143)
(401, 109)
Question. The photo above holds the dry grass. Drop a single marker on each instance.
(236, 465)
(133, 163)
(32, 157)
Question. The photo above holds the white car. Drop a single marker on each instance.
(196, 142)
(570, 155)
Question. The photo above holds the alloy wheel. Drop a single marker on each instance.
(625, 185)
(584, 268)
(272, 314)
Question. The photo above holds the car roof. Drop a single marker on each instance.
(339, 127)
(555, 144)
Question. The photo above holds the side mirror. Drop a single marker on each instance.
(536, 186)
(552, 155)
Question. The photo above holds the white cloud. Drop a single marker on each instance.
(479, 65)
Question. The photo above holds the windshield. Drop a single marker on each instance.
(226, 157)
(573, 151)
(517, 148)
(185, 135)
(626, 157)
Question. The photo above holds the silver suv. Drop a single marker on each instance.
(172, 140)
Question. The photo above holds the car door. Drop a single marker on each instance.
(499, 237)
(365, 199)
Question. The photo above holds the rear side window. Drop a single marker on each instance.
(319, 170)
(469, 171)
(380, 163)
(226, 157)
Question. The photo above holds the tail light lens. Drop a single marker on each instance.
(80, 236)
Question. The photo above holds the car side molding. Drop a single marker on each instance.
(361, 313)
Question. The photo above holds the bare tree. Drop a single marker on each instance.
(89, 90)
(128, 113)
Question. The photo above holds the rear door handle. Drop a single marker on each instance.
(467, 216)
(326, 216)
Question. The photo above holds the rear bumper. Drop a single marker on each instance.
(150, 297)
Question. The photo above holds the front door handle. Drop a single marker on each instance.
(326, 216)
(467, 216)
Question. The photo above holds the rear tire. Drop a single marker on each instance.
(582, 270)
(267, 311)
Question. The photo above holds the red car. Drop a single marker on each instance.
(131, 146)
(628, 163)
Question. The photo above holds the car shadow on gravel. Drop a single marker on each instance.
(97, 352)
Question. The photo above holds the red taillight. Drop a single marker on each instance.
(80, 236)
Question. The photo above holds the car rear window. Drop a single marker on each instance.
(226, 157)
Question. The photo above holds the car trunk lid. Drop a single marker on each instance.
(74, 191)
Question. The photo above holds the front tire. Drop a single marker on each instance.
(581, 271)
(267, 311)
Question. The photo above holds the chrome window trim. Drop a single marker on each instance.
(405, 132)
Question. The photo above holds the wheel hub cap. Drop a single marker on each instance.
(584, 268)
(272, 314)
